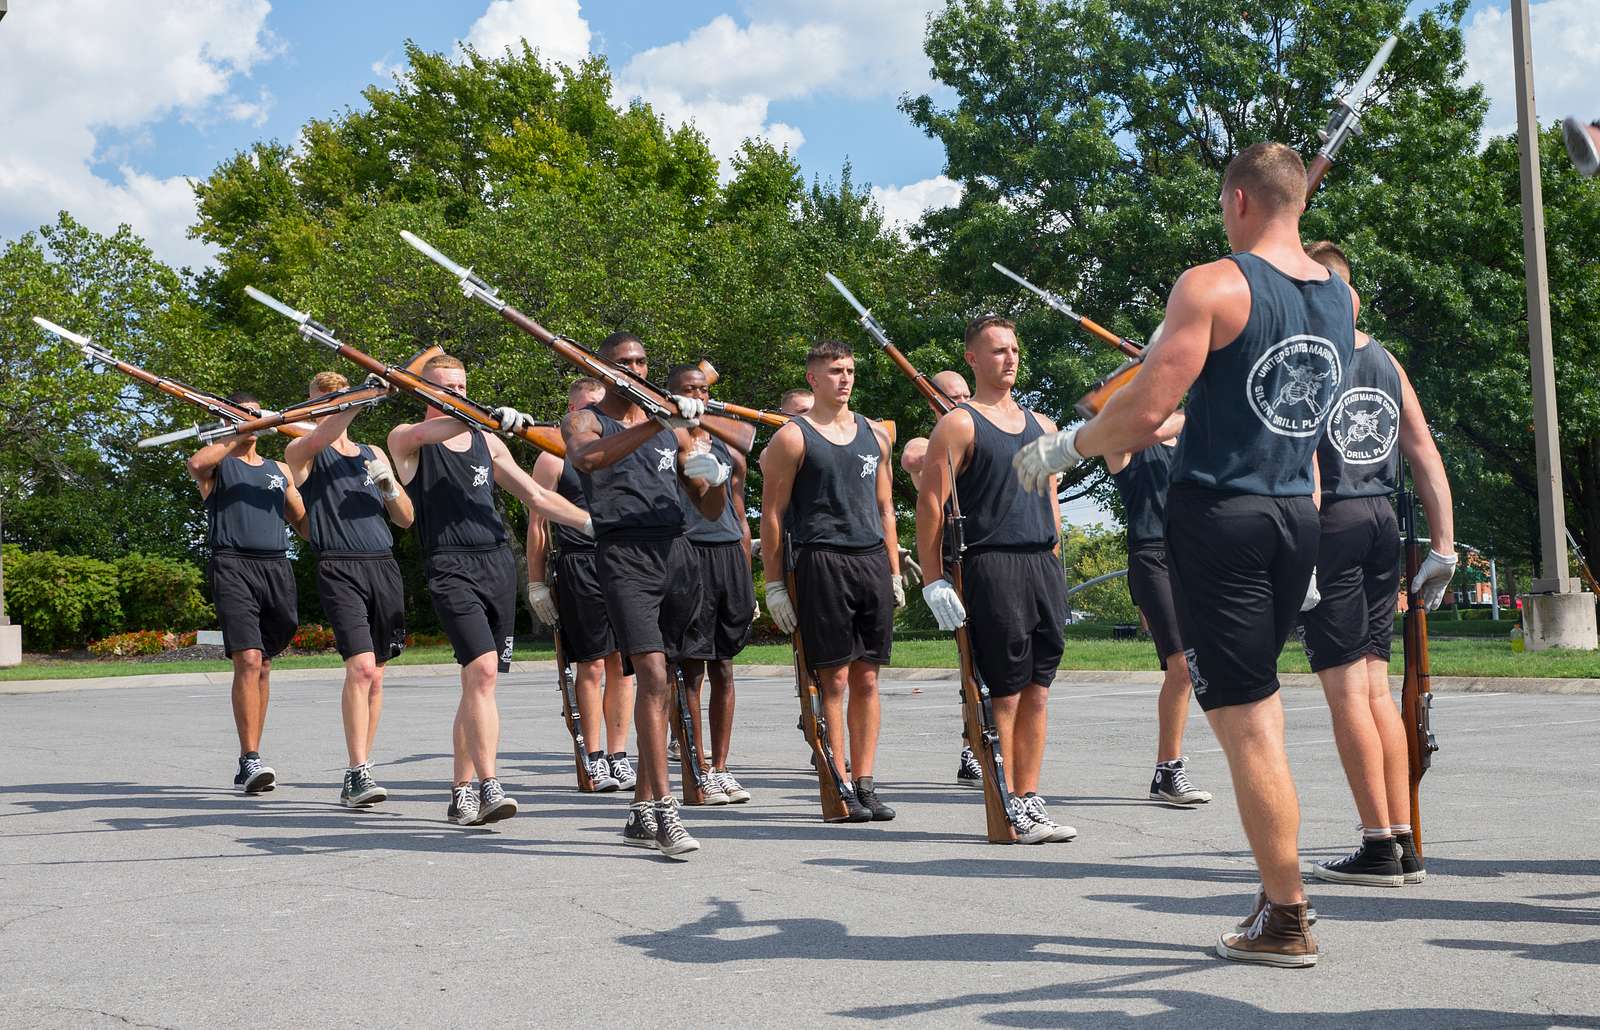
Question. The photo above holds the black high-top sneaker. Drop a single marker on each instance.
(360, 789)
(1376, 863)
(1410, 862)
(867, 794)
(854, 811)
(254, 775)
(671, 838)
(463, 810)
(968, 772)
(494, 804)
(1171, 784)
(640, 831)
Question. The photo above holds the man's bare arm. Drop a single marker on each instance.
(300, 451)
(779, 463)
(510, 477)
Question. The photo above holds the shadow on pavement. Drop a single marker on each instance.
(1380, 906)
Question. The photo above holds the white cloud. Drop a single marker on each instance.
(73, 71)
(903, 205)
(1565, 37)
(724, 76)
(554, 28)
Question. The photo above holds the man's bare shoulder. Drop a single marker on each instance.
(1222, 274)
(580, 421)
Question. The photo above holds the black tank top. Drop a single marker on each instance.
(638, 498)
(453, 495)
(999, 514)
(344, 512)
(1142, 485)
(726, 530)
(244, 510)
(570, 486)
(835, 499)
(1360, 454)
(1260, 404)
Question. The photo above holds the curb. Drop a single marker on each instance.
(1441, 684)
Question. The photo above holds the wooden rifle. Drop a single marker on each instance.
(1416, 692)
(977, 710)
(567, 683)
(761, 416)
(543, 435)
(813, 723)
(1344, 122)
(305, 411)
(1583, 565)
(219, 407)
(937, 399)
(684, 716)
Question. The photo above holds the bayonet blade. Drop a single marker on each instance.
(66, 334)
(428, 251)
(844, 292)
(1049, 298)
(172, 437)
(277, 305)
(1358, 93)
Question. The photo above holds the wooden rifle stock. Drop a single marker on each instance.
(566, 682)
(684, 717)
(977, 710)
(830, 785)
(1416, 692)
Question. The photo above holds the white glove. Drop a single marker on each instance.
(781, 608)
(1045, 457)
(543, 603)
(757, 613)
(688, 416)
(897, 583)
(1580, 146)
(909, 568)
(1313, 595)
(511, 420)
(704, 465)
(587, 529)
(946, 606)
(1433, 577)
(382, 477)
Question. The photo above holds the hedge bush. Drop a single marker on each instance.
(140, 642)
(61, 600)
(161, 593)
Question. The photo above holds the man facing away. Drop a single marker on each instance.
(826, 483)
(1014, 588)
(728, 602)
(1142, 478)
(1347, 636)
(575, 607)
(1259, 341)
(351, 496)
(451, 469)
(249, 499)
(636, 471)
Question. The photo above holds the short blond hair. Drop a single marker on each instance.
(1270, 174)
(327, 382)
(1327, 254)
(443, 361)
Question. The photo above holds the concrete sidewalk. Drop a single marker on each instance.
(138, 889)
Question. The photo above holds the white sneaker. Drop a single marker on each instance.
(1028, 831)
(622, 771)
(600, 778)
(1058, 832)
(737, 795)
(712, 790)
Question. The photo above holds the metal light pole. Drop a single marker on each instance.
(1557, 613)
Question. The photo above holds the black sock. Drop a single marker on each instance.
(595, 756)
(618, 754)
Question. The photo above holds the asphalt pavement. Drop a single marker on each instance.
(137, 888)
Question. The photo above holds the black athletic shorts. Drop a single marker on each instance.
(1151, 587)
(653, 594)
(727, 604)
(845, 606)
(1358, 574)
(256, 601)
(1241, 563)
(363, 598)
(585, 625)
(1017, 604)
(474, 594)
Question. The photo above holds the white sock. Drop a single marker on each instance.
(1399, 828)
(1376, 833)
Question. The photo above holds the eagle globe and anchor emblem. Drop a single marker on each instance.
(1291, 386)
(1365, 425)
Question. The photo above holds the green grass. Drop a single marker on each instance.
(1449, 658)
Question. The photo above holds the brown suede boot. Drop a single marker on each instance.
(1280, 935)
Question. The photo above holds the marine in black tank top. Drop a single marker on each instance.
(244, 510)
(1359, 455)
(453, 494)
(570, 486)
(1142, 484)
(638, 497)
(344, 511)
(998, 515)
(834, 502)
(1260, 404)
(726, 529)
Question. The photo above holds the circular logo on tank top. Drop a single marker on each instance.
(1291, 386)
(1364, 425)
